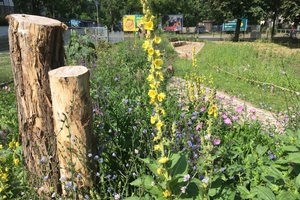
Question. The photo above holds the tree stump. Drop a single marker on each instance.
(72, 115)
(36, 47)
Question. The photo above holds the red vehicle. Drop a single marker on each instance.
(173, 28)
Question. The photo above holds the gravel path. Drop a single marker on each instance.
(177, 84)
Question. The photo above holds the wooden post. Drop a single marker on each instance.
(72, 115)
(36, 46)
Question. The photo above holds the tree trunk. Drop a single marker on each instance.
(273, 27)
(36, 47)
(73, 127)
(237, 30)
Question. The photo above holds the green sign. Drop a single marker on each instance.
(231, 25)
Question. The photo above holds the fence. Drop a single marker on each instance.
(96, 33)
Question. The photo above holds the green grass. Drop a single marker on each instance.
(5, 68)
(247, 71)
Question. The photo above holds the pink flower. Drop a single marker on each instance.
(216, 141)
(199, 126)
(253, 117)
(224, 116)
(234, 118)
(202, 109)
(253, 110)
(227, 121)
(239, 109)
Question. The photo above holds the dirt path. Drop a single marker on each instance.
(185, 50)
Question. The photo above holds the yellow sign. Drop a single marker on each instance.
(131, 22)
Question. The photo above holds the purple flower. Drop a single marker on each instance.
(79, 176)
(86, 196)
(45, 178)
(43, 159)
(90, 155)
(253, 110)
(126, 101)
(216, 141)
(224, 116)
(96, 157)
(272, 156)
(182, 115)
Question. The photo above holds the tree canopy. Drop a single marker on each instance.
(111, 11)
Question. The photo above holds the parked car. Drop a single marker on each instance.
(200, 29)
(173, 28)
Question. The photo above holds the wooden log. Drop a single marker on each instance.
(72, 115)
(36, 47)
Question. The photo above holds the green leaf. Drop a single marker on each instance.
(290, 148)
(137, 182)
(244, 192)
(260, 150)
(297, 181)
(178, 164)
(263, 193)
(287, 195)
(273, 172)
(293, 157)
(152, 164)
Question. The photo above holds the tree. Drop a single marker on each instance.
(233, 9)
(111, 11)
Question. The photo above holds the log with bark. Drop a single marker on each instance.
(36, 47)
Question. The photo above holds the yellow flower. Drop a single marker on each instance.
(6, 169)
(213, 110)
(17, 144)
(4, 196)
(157, 40)
(159, 125)
(145, 45)
(161, 96)
(156, 147)
(157, 63)
(154, 85)
(151, 51)
(155, 138)
(167, 193)
(163, 160)
(143, 20)
(148, 26)
(152, 17)
(152, 101)
(16, 161)
(4, 176)
(174, 127)
(152, 120)
(1, 146)
(3, 159)
(150, 77)
(11, 144)
(157, 53)
(1, 189)
(152, 93)
(159, 171)
(160, 76)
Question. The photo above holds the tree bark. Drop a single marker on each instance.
(36, 47)
(237, 30)
(72, 115)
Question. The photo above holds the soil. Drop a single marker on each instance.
(185, 50)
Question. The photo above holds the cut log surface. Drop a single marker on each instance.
(36, 47)
(72, 115)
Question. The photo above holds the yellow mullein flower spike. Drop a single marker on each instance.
(157, 53)
(157, 40)
(159, 171)
(153, 120)
(166, 193)
(163, 160)
(156, 147)
(159, 125)
(161, 96)
(148, 26)
(150, 51)
(145, 45)
(16, 161)
(157, 63)
(152, 93)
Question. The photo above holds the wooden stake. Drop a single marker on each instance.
(72, 114)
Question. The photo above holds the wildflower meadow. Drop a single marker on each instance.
(153, 146)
